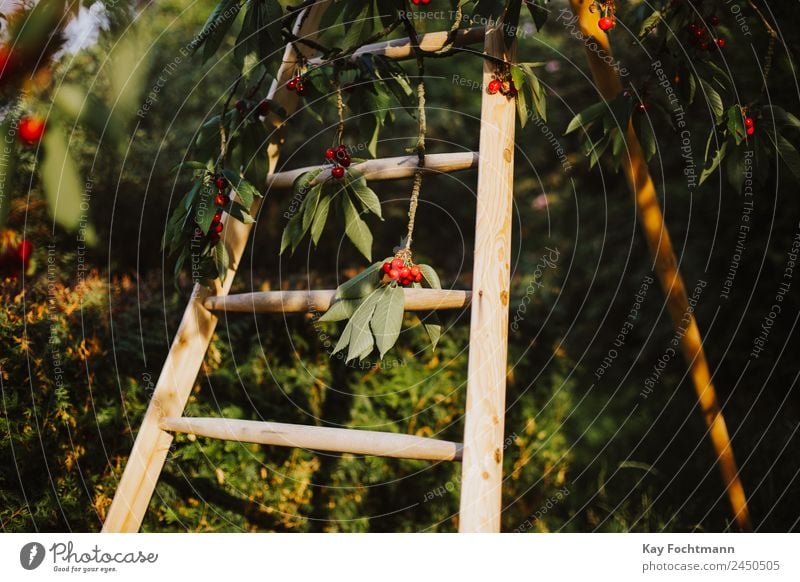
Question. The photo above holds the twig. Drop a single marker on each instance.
(223, 136)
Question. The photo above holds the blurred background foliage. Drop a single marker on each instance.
(81, 349)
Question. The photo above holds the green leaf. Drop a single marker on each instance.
(537, 91)
(369, 200)
(320, 218)
(216, 27)
(344, 339)
(60, 179)
(355, 228)
(430, 276)
(781, 117)
(189, 166)
(292, 233)
(310, 206)
(240, 213)
(221, 261)
(388, 318)
(539, 12)
(205, 209)
(788, 154)
(649, 23)
(362, 284)
(246, 191)
(340, 309)
(433, 327)
(361, 339)
(713, 99)
(719, 155)
(735, 124)
(586, 116)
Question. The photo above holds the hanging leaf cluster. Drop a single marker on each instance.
(188, 234)
(529, 89)
(374, 312)
(319, 193)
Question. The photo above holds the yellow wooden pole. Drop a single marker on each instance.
(637, 174)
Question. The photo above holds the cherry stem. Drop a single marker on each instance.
(423, 128)
(340, 109)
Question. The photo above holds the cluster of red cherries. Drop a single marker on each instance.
(506, 87)
(398, 270)
(296, 84)
(702, 37)
(749, 125)
(340, 158)
(262, 107)
(220, 200)
(15, 259)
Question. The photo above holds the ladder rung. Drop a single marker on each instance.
(387, 168)
(340, 440)
(320, 301)
(401, 48)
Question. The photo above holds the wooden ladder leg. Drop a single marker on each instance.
(655, 231)
(482, 471)
(189, 348)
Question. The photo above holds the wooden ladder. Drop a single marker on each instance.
(481, 453)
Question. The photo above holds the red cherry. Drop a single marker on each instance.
(641, 107)
(699, 32)
(750, 130)
(346, 161)
(394, 274)
(214, 238)
(220, 200)
(386, 267)
(292, 84)
(418, 278)
(606, 23)
(405, 272)
(220, 183)
(330, 154)
(337, 172)
(217, 216)
(415, 270)
(494, 86)
(714, 20)
(217, 228)
(301, 89)
(31, 129)
(721, 42)
(398, 264)
(24, 251)
(748, 122)
(704, 46)
(426, 1)
(340, 152)
(241, 105)
(415, 1)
